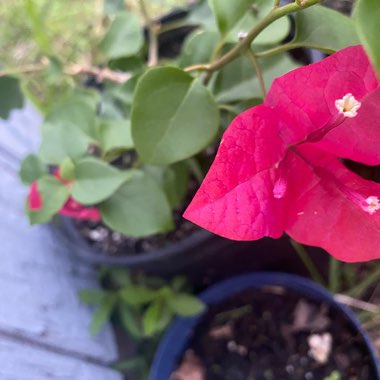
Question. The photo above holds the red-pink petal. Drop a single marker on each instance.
(307, 95)
(236, 198)
(75, 210)
(34, 198)
(321, 214)
(358, 138)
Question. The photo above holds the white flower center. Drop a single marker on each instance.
(348, 105)
(372, 204)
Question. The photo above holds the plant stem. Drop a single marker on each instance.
(23, 70)
(153, 29)
(276, 3)
(366, 283)
(334, 275)
(251, 55)
(304, 256)
(100, 73)
(245, 43)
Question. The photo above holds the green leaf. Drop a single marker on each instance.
(173, 179)
(238, 81)
(173, 116)
(92, 297)
(78, 111)
(55, 72)
(198, 48)
(156, 318)
(178, 283)
(37, 26)
(124, 37)
(53, 195)
(117, 100)
(67, 169)
(324, 29)
(115, 134)
(102, 314)
(60, 141)
(95, 180)
(185, 304)
(367, 16)
(129, 364)
(138, 295)
(138, 208)
(201, 15)
(32, 168)
(69, 128)
(238, 16)
(10, 96)
(130, 322)
(227, 13)
(120, 277)
(113, 6)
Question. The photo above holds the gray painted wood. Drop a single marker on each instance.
(43, 325)
(26, 362)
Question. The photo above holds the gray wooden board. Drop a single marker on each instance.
(26, 362)
(43, 325)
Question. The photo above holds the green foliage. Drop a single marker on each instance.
(237, 81)
(198, 47)
(96, 181)
(144, 306)
(124, 38)
(336, 32)
(32, 168)
(238, 16)
(173, 116)
(133, 145)
(138, 208)
(10, 95)
(367, 15)
(335, 375)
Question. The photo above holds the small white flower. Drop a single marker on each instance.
(242, 35)
(348, 105)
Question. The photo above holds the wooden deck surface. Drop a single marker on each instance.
(43, 325)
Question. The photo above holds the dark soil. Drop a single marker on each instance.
(265, 335)
(114, 243)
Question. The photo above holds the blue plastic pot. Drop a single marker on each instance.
(175, 340)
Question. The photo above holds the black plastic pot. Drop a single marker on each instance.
(174, 258)
(176, 339)
(205, 258)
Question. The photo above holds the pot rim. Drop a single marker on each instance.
(175, 339)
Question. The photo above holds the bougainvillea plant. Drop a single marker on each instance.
(129, 151)
(278, 167)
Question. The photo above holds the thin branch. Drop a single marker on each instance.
(245, 43)
(153, 30)
(23, 70)
(101, 74)
(259, 73)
